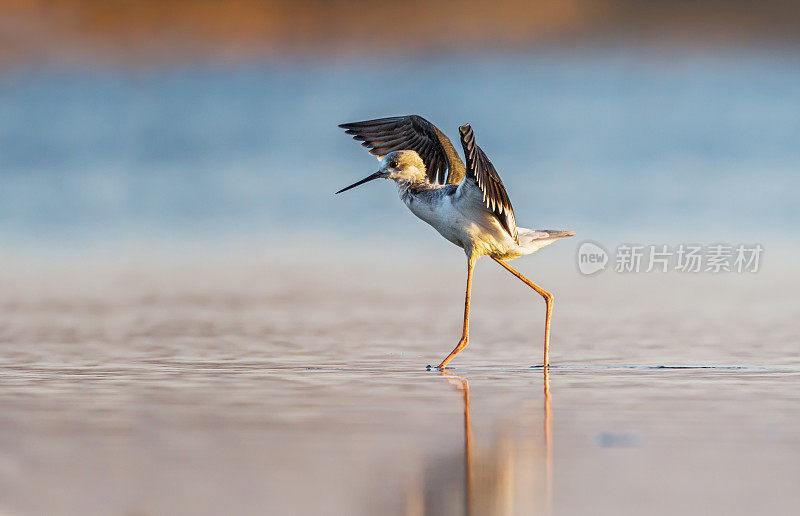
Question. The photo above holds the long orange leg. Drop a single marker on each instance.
(548, 298)
(465, 332)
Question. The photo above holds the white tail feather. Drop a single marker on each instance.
(534, 239)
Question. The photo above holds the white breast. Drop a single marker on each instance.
(460, 219)
(438, 211)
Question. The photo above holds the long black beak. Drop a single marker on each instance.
(367, 179)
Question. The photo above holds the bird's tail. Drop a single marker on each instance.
(534, 239)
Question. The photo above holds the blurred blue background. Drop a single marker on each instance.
(618, 143)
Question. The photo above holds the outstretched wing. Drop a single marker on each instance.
(411, 132)
(481, 170)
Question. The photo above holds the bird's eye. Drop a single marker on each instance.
(393, 164)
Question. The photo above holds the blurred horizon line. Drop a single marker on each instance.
(150, 31)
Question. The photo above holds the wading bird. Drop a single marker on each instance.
(467, 205)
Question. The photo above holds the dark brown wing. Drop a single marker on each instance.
(481, 170)
(411, 132)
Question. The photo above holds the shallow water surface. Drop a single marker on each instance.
(244, 387)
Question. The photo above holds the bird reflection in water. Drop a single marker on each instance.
(498, 480)
(548, 445)
(463, 385)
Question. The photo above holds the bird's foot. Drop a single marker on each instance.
(461, 345)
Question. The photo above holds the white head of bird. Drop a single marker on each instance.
(404, 167)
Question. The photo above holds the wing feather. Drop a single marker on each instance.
(412, 132)
(481, 170)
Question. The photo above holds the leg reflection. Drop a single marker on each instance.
(548, 445)
(463, 386)
(509, 477)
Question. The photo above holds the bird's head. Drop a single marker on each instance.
(403, 167)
